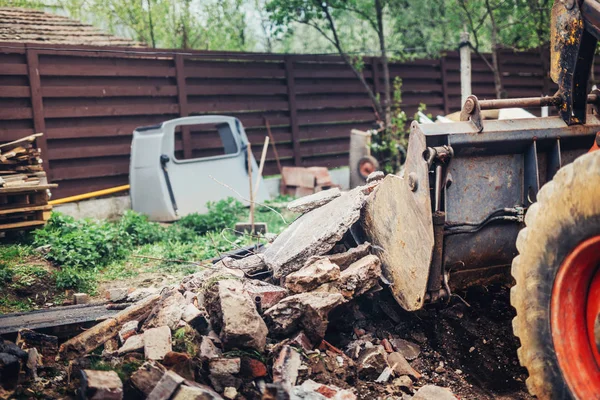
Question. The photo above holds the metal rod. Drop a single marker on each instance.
(438, 186)
(526, 102)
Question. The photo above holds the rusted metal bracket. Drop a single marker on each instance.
(471, 111)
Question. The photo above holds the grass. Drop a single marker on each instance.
(83, 253)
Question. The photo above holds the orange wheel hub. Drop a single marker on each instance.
(574, 312)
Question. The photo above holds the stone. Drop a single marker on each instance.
(166, 386)
(140, 294)
(116, 295)
(147, 376)
(432, 392)
(343, 260)
(286, 366)
(252, 368)
(401, 366)
(385, 375)
(311, 390)
(195, 393)
(387, 346)
(101, 385)
(223, 366)
(233, 314)
(264, 294)
(180, 363)
(207, 349)
(196, 318)
(110, 346)
(47, 345)
(316, 200)
(312, 275)
(133, 343)
(372, 362)
(167, 311)
(129, 329)
(313, 234)
(81, 298)
(157, 343)
(375, 176)
(250, 265)
(360, 276)
(409, 350)
(190, 297)
(304, 311)
(34, 359)
(230, 393)
(11, 348)
(403, 382)
(10, 367)
(300, 340)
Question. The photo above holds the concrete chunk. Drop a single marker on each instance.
(167, 311)
(147, 376)
(133, 343)
(222, 366)
(312, 201)
(101, 385)
(196, 318)
(286, 366)
(167, 385)
(314, 233)
(129, 329)
(233, 314)
(312, 275)
(360, 276)
(432, 392)
(195, 393)
(157, 343)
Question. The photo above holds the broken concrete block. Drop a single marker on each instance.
(195, 393)
(116, 295)
(47, 345)
(404, 382)
(286, 366)
(166, 386)
(34, 359)
(401, 366)
(409, 350)
(304, 311)
(101, 385)
(343, 260)
(315, 200)
(157, 343)
(167, 311)
(133, 343)
(81, 298)
(360, 276)
(314, 233)
(312, 275)
(147, 376)
(250, 265)
(180, 363)
(372, 362)
(195, 318)
(207, 349)
(264, 294)
(110, 346)
(300, 340)
(10, 367)
(129, 329)
(233, 314)
(219, 271)
(140, 294)
(230, 393)
(223, 366)
(432, 392)
(375, 176)
(311, 390)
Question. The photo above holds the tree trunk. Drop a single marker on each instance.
(384, 62)
(495, 64)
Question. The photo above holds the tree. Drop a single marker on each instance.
(325, 17)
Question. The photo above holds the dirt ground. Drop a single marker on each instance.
(469, 349)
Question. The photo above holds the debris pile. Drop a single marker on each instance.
(222, 333)
(23, 185)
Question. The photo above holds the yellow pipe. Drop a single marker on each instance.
(89, 195)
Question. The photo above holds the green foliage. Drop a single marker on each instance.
(75, 278)
(220, 215)
(140, 230)
(6, 274)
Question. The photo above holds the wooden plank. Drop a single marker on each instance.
(46, 207)
(21, 225)
(37, 105)
(28, 189)
(14, 91)
(248, 87)
(91, 70)
(75, 111)
(183, 105)
(289, 73)
(13, 69)
(108, 91)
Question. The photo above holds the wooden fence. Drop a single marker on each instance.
(88, 100)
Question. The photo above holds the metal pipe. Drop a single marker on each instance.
(89, 195)
(438, 186)
(532, 102)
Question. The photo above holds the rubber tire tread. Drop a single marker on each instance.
(566, 213)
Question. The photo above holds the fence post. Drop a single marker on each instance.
(444, 84)
(291, 88)
(186, 136)
(37, 107)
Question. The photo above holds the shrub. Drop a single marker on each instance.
(77, 279)
(221, 214)
(6, 274)
(140, 230)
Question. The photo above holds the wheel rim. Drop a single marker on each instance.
(574, 310)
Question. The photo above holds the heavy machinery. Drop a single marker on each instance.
(479, 195)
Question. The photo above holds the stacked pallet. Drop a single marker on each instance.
(24, 188)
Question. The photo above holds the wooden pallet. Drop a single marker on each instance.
(24, 207)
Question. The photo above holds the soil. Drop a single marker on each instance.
(468, 349)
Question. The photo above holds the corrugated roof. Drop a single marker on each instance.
(34, 26)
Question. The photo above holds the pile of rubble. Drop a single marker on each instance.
(222, 333)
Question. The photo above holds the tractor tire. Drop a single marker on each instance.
(556, 273)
